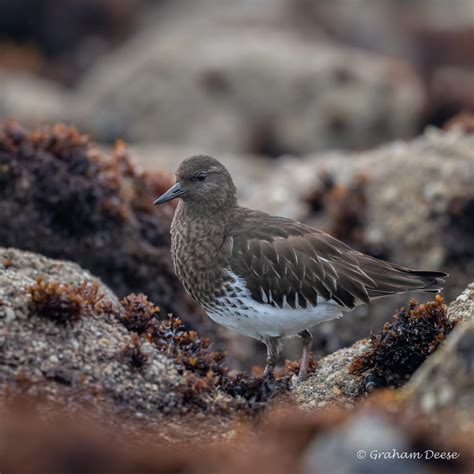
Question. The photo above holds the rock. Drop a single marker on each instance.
(62, 41)
(32, 100)
(71, 343)
(443, 388)
(332, 383)
(353, 448)
(462, 308)
(37, 350)
(446, 373)
(409, 31)
(204, 76)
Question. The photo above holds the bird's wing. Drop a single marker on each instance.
(286, 263)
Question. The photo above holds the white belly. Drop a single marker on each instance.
(258, 320)
(261, 320)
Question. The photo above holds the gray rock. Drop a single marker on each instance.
(33, 101)
(207, 77)
(443, 387)
(85, 360)
(332, 384)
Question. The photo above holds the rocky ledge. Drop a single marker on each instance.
(122, 370)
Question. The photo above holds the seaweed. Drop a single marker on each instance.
(402, 345)
(6, 263)
(138, 312)
(63, 303)
(463, 121)
(193, 356)
(134, 353)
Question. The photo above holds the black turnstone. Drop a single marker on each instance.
(269, 277)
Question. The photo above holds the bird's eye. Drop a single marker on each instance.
(201, 176)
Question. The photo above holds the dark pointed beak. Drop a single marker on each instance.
(172, 193)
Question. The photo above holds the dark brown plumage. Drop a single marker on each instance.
(269, 277)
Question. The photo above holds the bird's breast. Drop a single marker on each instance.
(195, 249)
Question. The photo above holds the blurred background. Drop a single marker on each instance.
(322, 110)
(267, 77)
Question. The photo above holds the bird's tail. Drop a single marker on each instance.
(390, 279)
(433, 281)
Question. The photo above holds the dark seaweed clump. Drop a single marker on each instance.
(63, 198)
(63, 303)
(401, 347)
(138, 312)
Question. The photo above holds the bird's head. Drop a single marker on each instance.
(204, 182)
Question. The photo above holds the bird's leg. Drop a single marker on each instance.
(307, 346)
(273, 354)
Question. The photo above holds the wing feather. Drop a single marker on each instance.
(286, 263)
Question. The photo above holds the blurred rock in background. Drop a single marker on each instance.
(436, 38)
(221, 83)
(238, 78)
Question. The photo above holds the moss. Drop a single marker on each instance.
(400, 348)
(63, 303)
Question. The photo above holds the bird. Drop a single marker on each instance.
(269, 277)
